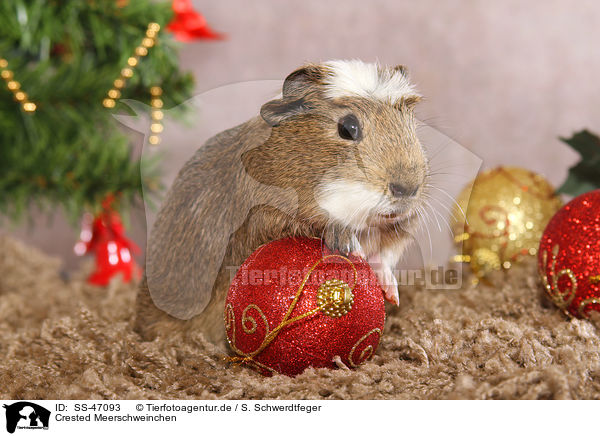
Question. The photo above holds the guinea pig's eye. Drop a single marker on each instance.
(348, 128)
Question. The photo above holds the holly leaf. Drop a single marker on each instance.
(585, 175)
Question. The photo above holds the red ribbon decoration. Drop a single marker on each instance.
(188, 24)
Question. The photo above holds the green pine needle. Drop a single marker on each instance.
(66, 55)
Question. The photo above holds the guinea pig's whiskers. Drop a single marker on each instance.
(444, 220)
(422, 214)
(451, 199)
(434, 214)
(441, 203)
(375, 209)
(448, 164)
(451, 213)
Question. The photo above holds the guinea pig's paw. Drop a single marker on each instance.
(390, 293)
(387, 280)
(342, 240)
(359, 253)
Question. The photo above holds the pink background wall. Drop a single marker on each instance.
(503, 79)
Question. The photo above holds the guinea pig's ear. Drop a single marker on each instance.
(275, 111)
(400, 69)
(408, 101)
(301, 81)
(296, 87)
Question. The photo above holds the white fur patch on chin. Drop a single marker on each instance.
(349, 203)
(356, 78)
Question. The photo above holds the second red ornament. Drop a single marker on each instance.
(569, 256)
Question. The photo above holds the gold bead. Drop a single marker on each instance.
(29, 107)
(119, 83)
(141, 51)
(13, 85)
(154, 26)
(156, 102)
(20, 96)
(151, 33)
(108, 102)
(113, 93)
(127, 72)
(147, 42)
(156, 90)
(132, 62)
(154, 139)
(156, 128)
(157, 115)
(3, 63)
(7, 74)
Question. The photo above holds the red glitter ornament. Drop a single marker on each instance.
(295, 304)
(569, 256)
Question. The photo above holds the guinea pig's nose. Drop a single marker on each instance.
(400, 190)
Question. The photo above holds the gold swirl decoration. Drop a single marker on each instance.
(334, 299)
(584, 304)
(562, 298)
(246, 317)
(230, 329)
(367, 352)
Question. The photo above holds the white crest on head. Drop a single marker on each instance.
(355, 78)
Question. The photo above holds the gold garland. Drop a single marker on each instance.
(114, 93)
(156, 102)
(15, 87)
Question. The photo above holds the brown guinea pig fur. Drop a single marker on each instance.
(336, 157)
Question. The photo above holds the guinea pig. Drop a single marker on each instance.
(336, 157)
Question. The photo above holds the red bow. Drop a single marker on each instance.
(104, 235)
(188, 24)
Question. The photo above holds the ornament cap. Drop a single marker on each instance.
(335, 297)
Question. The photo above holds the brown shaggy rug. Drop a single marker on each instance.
(64, 339)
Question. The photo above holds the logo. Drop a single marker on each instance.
(26, 415)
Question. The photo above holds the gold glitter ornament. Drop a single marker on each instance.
(506, 213)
